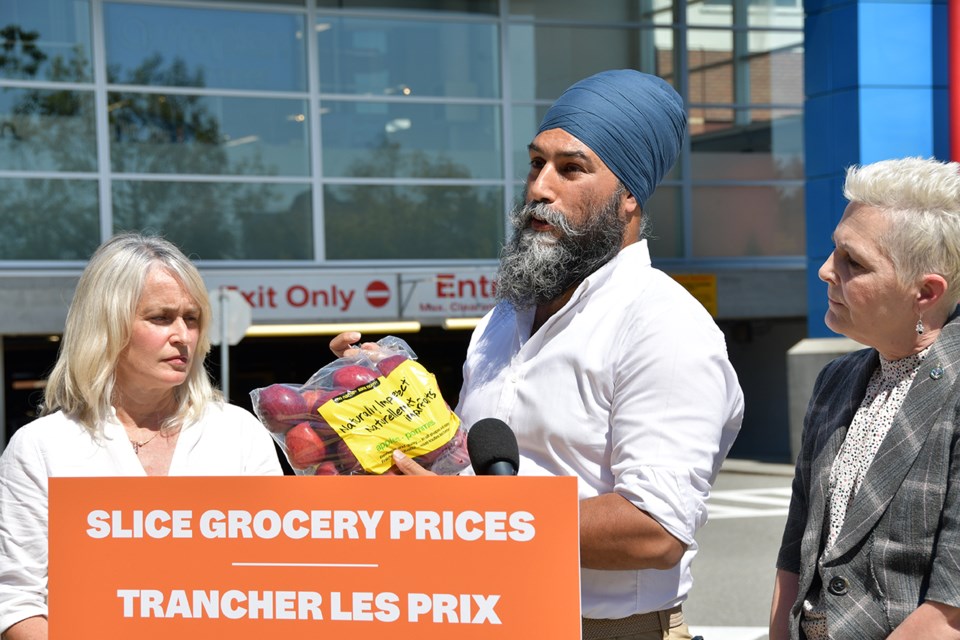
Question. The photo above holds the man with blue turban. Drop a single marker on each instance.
(604, 367)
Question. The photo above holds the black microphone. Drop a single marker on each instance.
(493, 448)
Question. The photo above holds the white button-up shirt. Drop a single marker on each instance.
(628, 387)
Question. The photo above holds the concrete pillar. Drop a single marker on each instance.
(804, 361)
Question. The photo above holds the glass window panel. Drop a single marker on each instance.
(48, 219)
(43, 130)
(362, 139)
(665, 223)
(366, 222)
(754, 67)
(776, 68)
(545, 60)
(776, 13)
(186, 47)
(408, 57)
(292, 3)
(526, 121)
(178, 133)
(740, 222)
(45, 40)
(717, 13)
(606, 11)
(661, 11)
(711, 68)
(768, 146)
(756, 13)
(460, 6)
(220, 221)
(519, 191)
(703, 122)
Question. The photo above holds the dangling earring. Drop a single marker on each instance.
(920, 326)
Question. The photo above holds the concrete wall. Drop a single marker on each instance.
(35, 304)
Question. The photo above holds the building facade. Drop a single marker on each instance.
(350, 162)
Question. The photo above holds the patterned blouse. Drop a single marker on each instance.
(886, 392)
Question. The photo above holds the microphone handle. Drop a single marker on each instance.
(501, 468)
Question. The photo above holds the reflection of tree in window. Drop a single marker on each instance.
(279, 235)
(174, 133)
(411, 222)
(146, 128)
(22, 61)
(57, 125)
(22, 58)
(46, 219)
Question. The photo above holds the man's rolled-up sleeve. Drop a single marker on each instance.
(677, 410)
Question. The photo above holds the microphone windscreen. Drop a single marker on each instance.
(489, 441)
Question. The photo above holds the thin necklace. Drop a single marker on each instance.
(142, 443)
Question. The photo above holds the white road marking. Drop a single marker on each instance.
(749, 503)
(729, 633)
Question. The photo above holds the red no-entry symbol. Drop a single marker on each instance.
(377, 293)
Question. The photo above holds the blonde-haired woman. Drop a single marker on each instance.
(871, 544)
(128, 396)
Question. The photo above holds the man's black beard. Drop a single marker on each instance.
(536, 267)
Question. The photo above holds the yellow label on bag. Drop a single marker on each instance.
(403, 410)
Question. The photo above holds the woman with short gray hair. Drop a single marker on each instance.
(870, 548)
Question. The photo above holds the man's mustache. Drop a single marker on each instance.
(543, 211)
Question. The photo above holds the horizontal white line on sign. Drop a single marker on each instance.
(303, 564)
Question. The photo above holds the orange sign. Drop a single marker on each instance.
(357, 557)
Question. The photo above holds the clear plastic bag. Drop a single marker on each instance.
(350, 415)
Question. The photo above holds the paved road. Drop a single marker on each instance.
(734, 569)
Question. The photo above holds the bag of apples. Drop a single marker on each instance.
(350, 415)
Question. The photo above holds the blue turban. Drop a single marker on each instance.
(633, 121)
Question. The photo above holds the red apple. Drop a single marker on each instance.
(304, 446)
(353, 376)
(457, 448)
(451, 447)
(281, 406)
(427, 459)
(326, 468)
(387, 365)
(449, 458)
(327, 434)
(347, 463)
(316, 398)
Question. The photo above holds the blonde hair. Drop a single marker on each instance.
(99, 324)
(921, 197)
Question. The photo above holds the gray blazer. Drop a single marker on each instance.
(900, 542)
